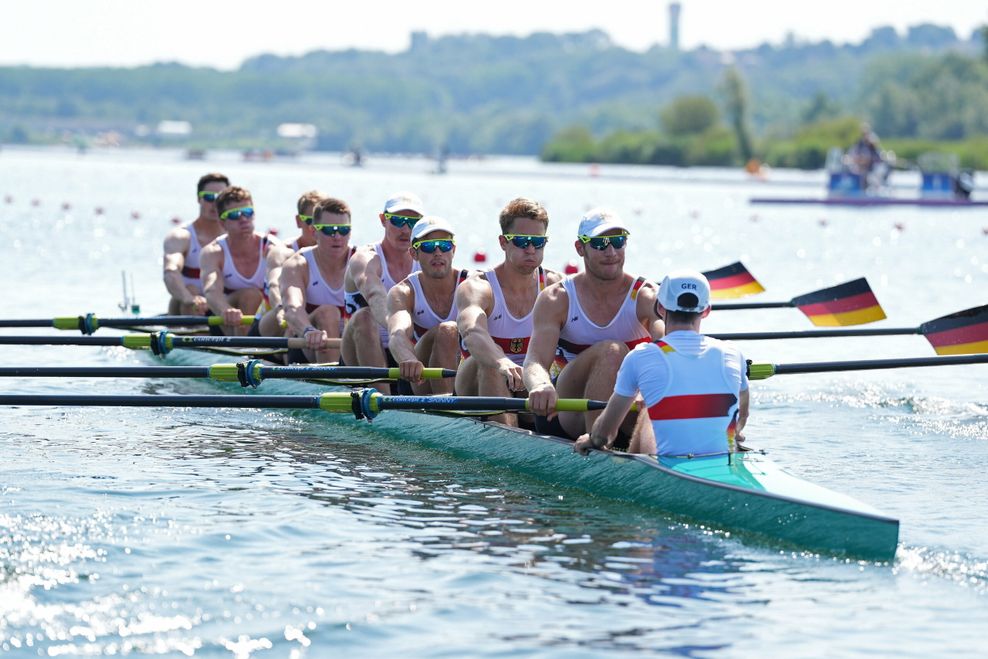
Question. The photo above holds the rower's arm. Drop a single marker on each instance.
(401, 299)
(294, 280)
(176, 245)
(211, 275)
(606, 427)
(365, 270)
(646, 312)
(475, 300)
(547, 321)
(274, 260)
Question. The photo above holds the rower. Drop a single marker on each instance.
(695, 387)
(229, 292)
(184, 244)
(305, 208)
(421, 309)
(588, 322)
(271, 313)
(495, 307)
(372, 271)
(312, 284)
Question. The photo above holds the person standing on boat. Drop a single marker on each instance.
(495, 307)
(229, 292)
(588, 322)
(184, 244)
(695, 387)
(312, 284)
(372, 271)
(421, 309)
(271, 312)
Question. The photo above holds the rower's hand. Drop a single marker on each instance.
(315, 338)
(199, 305)
(411, 370)
(542, 400)
(233, 317)
(583, 444)
(512, 374)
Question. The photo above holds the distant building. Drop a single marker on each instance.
(674, 9)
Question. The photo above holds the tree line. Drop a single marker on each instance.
(565, 96)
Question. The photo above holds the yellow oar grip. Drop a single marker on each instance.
(760, 371)
(343, 402)
(571, 405)
(69, 323)
(213, 321)
(136, 341)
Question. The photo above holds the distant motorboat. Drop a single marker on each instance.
(942, 184)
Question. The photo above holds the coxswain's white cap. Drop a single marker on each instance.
(685, 290)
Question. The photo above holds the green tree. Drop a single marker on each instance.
(732, 88)
(689, 115)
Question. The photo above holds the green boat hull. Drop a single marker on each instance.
(746, 493)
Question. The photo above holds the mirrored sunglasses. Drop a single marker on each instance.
(429, 246)
(401, 220)
(601, 242)
(522, 240)
(237, 213)
(333, 229)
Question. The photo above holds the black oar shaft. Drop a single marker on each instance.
(874, 364)
(284, 402)
(814, 334)
(105, 371)
(464, 403)
(734, 306)
(61, 340)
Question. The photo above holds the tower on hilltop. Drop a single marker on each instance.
(674, 9)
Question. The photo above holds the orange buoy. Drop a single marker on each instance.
(272, 231)
(571, 268)
(480, 256)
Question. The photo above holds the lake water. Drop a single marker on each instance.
(262, 533)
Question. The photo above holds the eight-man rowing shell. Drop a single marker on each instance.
(747, 493)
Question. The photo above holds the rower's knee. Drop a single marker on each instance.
(611, 354)
(327, 318)
(447, 335)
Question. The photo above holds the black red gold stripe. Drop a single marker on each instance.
(732, 281)
(852, 303)
(961, 333)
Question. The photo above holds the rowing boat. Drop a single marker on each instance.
(746, 493)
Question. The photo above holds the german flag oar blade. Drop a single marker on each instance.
(731, 282)
(852, 303)
(961, 333)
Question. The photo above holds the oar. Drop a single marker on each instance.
(851, 303)
(249, 373)
(364, 403)
(764, 371)
(163, 342)
(90, 323)
(960, 333)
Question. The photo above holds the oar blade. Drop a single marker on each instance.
(850, 303)
(732, 282)
(961, 333)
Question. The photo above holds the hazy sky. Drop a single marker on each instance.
(222, 33)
